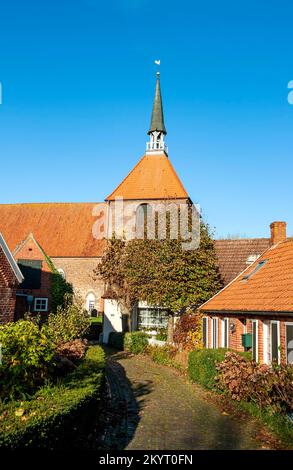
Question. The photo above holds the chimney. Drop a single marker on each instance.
(278, 232)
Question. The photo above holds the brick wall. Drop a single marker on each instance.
(235, 337)
(80, 273)
(8, 285)
(30, 250)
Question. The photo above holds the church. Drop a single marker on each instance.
(64, 233)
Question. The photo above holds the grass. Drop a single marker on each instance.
(95, 320)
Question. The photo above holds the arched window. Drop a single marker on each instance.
(141, 223)
(90, 302)
(62, 273)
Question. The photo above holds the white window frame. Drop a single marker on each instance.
(207, 330)
(256, 338)
(266, 341)
(279, 340)
(212, 333)
(288, 323)
(36, 299)
(224, 322)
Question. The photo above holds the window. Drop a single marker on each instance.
(255, 340)
(275, 342)
(205, 332)
(90, 302)
(225, 333)
(215, 333)
(62, 273)
(254, 271)
(31, 271)
(143, 211)
(289, 343)
(152, 318)
(41, 304)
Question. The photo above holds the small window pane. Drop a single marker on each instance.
(289, 343)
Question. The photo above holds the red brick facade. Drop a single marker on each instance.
(8, 285)
(238, 325)
(30, 250)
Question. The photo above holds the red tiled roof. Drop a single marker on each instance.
(153, 177)
(62, 229)
(233, 254)
(269, 289)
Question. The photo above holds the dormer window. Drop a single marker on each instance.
(255, 270)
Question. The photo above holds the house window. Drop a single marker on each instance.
(225, 333)
(275, 341)
(255, 340)
(152, 318)
(289, 343)
(41, 304)
(205, 332)
(215, 333)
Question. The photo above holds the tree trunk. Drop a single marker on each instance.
(170, 335)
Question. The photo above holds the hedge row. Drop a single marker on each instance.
(135, 342)
(202, 365)
(57, 414)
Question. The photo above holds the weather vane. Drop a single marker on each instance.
(158, 63)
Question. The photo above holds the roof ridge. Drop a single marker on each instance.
(117, 187)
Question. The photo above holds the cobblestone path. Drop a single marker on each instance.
(156, 408)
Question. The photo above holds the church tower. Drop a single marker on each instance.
(157, 129)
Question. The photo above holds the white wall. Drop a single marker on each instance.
(112, 318)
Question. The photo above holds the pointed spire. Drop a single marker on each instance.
(157, 119)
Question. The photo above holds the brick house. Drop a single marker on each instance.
(10, 278)
(255, 311)
(34, 293)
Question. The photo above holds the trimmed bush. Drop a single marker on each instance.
(136, 342)
(162, 354)
(116, 340)
(202, 365)
(73, 350)
(57, 414)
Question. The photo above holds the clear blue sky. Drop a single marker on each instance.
(78, 81)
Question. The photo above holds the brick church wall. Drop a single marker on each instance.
(80, 273)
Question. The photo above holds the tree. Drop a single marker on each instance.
(161, 273)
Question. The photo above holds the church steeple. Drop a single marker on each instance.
(157, 129)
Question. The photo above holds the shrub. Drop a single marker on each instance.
(73, 350)
(188, 331)
(27, 358)
(136, 342)
(202, 365)
(49, 419)
(259, 383)
(116, 340)
(162, 354)
(68, 323)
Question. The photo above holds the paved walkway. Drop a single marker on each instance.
(154, 407)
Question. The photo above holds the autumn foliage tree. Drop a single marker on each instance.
(161, 272)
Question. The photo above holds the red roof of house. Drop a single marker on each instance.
(260, 288)
(233, 255)
(153, 177)
(62, 229)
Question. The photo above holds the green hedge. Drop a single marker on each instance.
(202, 365)
(136, 342)
(57, 414)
